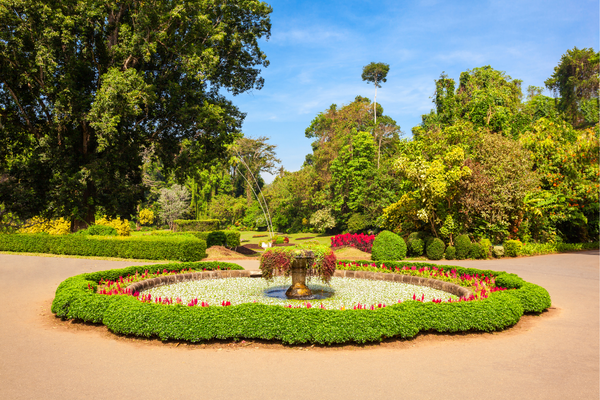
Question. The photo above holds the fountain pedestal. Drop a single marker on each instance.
(300, 263)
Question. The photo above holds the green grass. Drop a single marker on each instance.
(320, 238)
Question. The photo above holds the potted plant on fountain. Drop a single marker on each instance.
(299, 262)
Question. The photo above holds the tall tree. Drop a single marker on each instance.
(375, 73)
(84, 86)
(575, 79)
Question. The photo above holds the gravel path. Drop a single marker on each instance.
(552, 356)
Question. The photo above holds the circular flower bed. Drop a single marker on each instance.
(85, 297)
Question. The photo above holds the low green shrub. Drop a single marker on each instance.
(76, 299)
(198, 225)
(435, 249)
(486, 248)
(98, 230)
(415, 243)
(512, 248)
(232, 238)
(477, 251)
(388, 246)
(141, 247)
(463, 247)
(450, 253)
(498, 251)
(216, 238)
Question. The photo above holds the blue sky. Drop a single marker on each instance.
(317, 51)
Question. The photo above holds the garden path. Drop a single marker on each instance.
(552, 356)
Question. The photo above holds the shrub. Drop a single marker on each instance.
(357, 222)
(463, 247)
(476, 251)
(486, 248)
(54, 227)
(216, 238)
(185, 248)
(359, 240)
(121, 225)
(99, 230)
(450, 253)
(498, 251)
(416, 243)
(232, 238)
(512, 248)
(322, 220)
(199, 225)
(435, 249)
(278, 239)
(146, 217)
(388, 246)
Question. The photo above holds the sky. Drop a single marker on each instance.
(317, 51)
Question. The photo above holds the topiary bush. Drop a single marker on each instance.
(216, 238)
(512, 248)
(498, 251)
(199, 225)
(415, 243)
(450, 253)
(486, 248)
(435, 249)
(388, 246)
(463, 247)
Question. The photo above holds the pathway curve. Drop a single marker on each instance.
(553, 356)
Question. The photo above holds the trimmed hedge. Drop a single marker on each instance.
(126, 315)
(198, 225)
(232, 238)
(144, 247)
(388, 246)
(450, 253)
(463, 247)
(512, 248)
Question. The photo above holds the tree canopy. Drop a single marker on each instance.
(85, 86)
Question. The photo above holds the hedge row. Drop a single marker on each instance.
(146, 247)
(126, 315)
(229, 239)
(198, 225)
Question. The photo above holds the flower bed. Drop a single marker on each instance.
(76, 298)
(358, 240)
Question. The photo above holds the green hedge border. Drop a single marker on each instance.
(126, 315)
(137, 247)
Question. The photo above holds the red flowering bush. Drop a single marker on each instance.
(359, 240)
(280, 259)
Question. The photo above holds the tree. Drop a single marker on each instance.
(375, 73)
(173, 201)
(85, 86)
(575, 79)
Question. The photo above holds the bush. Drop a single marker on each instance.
(232, 238)
(146, 217)
(498, 251)
(486, 248)
(121, 225)
(278, 239)
(450, 253)
(463, 247)
(476, 251)
(416, 243)
(53, 227)
(198, 225)
(512, 248)
(99, 230)
(435, 249)
(216, 238)
(388, 246)
(76, 299)
(357, 223)
(359, 240)
(141, 247)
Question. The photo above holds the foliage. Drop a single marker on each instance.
(322, 220)
(141, 247)
(216, 238)
(232, 238)
(576, 80)
(498, 251)
(357, 223)
(173, 202)
(279, 259)
(358, 240)
(146, 217)
(477, 251)
(388, 246)
(450, 253)
(99, 230)
(196, 225)
(86, 86)
(463, 247)
(486, 248)
(75, 299)
(58, 226)
(513, 248)
(122, 226)
(227, 208)
(375, 73)
(435, 249)
(416, 243)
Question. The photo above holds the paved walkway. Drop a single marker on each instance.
(553, 356)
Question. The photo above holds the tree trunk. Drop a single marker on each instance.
(88, 216)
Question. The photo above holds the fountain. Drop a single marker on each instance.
(301, 261)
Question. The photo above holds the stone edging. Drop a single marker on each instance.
(378, 276)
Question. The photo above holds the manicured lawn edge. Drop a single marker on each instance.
(126, 315)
